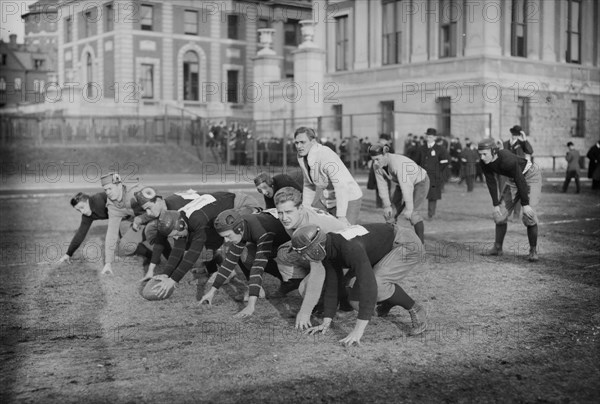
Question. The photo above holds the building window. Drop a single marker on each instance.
(191, 72)
(109, 22)
(232, 86)
(38, 64)
(260, 24)
(449, 13)
(444, 115)
(523, 106)
(292, 32)
(89, 76)
(87, 24)
(147, 80)
(146, 17)
(387, 117)
(574, 32)
(18, 83)
(3, 59)
(392, 32)
(232, 26)
(191, 22)
(42, 86)
(337, 117)
(578, 118)
(68, 29)
(2, 84)
(341, 43)
(518, 28)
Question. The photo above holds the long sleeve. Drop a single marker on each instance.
(314, 286)
(330, 292)
(158, 248)
(84, 227)
(490, 179)
(175, 257)
(264, 249)
(191, 255)
(521, 185)
(382, 187)
(229, 263)
(407, 188)
(112, 237)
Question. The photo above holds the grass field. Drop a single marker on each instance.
(500, 329)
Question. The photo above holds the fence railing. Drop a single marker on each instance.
(235, 141)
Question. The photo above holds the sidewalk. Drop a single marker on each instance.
(46, 183)
(15, 185)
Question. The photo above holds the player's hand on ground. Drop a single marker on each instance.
(352, 338)
(303, 321)
(323, 328)
(164, 286)
(63, 259)
(207, 298)
(246, 312)
(107, 269)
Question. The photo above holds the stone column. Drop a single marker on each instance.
(266, 70)
(309, 73)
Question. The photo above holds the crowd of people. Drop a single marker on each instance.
(307, 234)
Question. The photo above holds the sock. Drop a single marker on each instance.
(399, 298)
(500, 233)
(532, 232)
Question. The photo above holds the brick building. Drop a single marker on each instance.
(25, 69)
(133, 57)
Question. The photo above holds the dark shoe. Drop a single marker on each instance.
(418, 317)
(383, 309)
(288, 286)
(533, 255)
(494, 251)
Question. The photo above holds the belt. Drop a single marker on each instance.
(527, 167)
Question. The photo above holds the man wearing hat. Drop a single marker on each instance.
(261, 234)
(192, 228)
(525, 184)
(92, 208)
(434, 159)
(572, 158)
(378, 257)
(410, 181)
(121, 204)
(153, 205)
(268, 186)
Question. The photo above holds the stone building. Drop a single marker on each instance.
(467, 68)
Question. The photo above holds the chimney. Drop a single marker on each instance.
(13, 40)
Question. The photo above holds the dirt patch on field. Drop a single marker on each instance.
(500, 330)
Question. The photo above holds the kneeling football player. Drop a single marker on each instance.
(261, 234)
(378, 256)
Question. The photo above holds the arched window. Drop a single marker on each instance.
(88, 76)
(191, 71)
